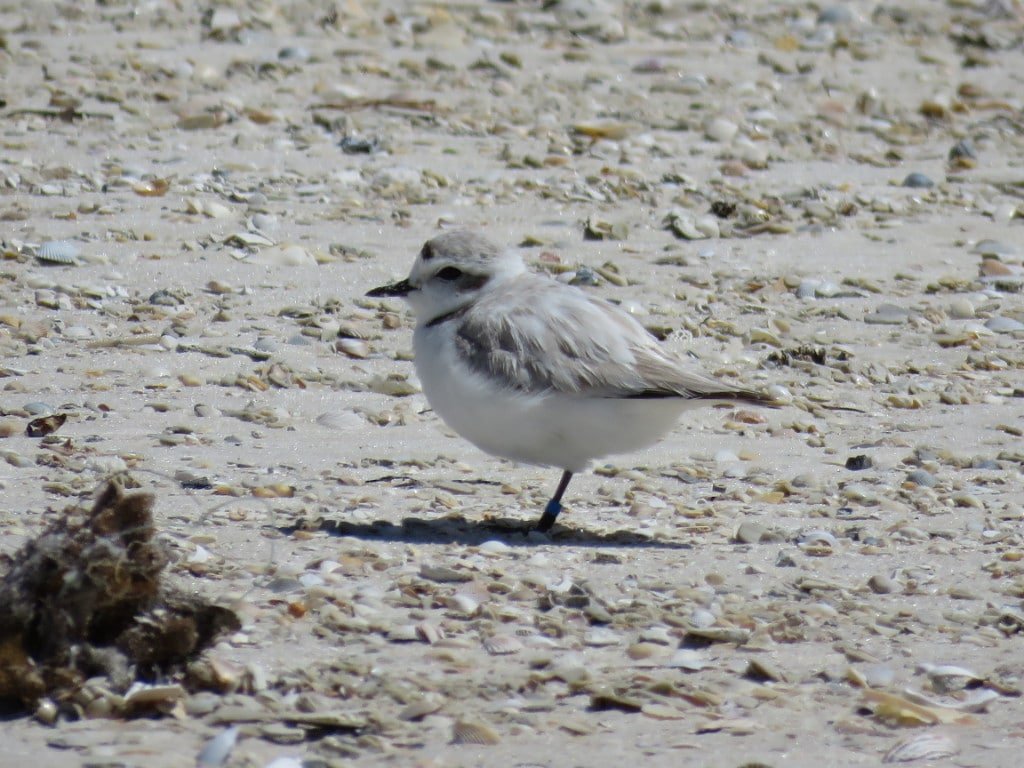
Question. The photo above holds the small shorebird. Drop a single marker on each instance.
(533, 370)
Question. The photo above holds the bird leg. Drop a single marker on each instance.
(555, 505)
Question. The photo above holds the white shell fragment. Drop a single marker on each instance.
(59, 252)
(927, 745)
(216, 751)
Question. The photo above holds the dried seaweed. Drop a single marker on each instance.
(85, 600)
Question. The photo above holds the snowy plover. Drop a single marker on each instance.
(533, 370)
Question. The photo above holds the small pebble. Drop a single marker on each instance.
(963, 149)
(887, 314)
(881, 584)
(293, 53)
(994, 248)
(878, 675)
(215, 752)
(923, 478)
(918, 181)
(750, 532)
(720, 129)
(961, 309)
(999, 324)
(859, 462)
(836, 14)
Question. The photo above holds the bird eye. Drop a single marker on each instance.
(449, 274)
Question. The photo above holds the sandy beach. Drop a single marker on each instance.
(820, 200)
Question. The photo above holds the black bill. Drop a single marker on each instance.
(401, 288)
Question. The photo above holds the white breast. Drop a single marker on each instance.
(551, 429)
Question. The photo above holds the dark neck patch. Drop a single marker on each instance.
(459, 312)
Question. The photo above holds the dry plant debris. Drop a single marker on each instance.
(85, 600)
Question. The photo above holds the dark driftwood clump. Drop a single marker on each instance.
(85, 600)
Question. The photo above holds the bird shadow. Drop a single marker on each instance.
(456, 529)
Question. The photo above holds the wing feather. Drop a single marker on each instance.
(575, 345)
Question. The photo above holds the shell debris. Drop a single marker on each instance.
(817, 200)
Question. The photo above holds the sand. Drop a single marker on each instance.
(220, 185)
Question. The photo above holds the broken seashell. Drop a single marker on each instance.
(215, 752)
(151, 187)
(468, 732)
(946, 677)
(59, 252)
(501, 645)
(927, 745)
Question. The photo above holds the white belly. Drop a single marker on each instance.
(552, 429)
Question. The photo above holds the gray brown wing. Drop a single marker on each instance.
(577, 345)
